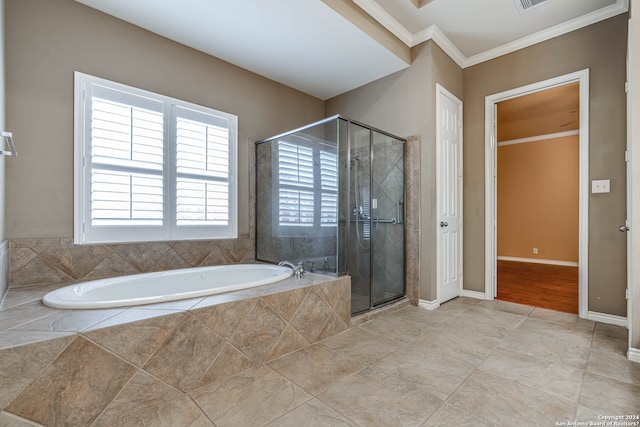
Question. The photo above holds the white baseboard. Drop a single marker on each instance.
(538, 261)
(473, 294)
(608, 318)
(429, 305)
(634, 355)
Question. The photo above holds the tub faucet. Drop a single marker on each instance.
(298, 270)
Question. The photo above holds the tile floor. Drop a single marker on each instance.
(468, 363)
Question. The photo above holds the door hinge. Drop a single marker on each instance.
(626, 87)
(627, 293)
(626, 155)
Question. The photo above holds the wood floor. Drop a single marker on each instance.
(541, 285)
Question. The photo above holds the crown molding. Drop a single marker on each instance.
(385, 19)
(620, 6)
(434, 33)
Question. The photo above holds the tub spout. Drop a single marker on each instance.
(298, 270)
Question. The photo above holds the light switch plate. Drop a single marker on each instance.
(600, 186)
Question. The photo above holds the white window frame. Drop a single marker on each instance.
(84, 231)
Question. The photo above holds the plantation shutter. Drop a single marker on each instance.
(329, 188)
(296, 181)
(127, 155)
(149, 167)
(202, 169)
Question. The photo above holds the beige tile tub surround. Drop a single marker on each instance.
(137, 366)
(59, 261)
(468, 363)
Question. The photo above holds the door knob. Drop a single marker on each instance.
(623, 228)
(443, 224)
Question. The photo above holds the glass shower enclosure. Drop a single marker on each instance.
(330, 196)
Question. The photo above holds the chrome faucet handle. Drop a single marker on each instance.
(299, 271)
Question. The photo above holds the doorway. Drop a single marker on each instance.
(560, 266)
(538, 198)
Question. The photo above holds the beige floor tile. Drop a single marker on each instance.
(561, 318)
(396, 327)
(611, 337)
(454, 306)
(435, 369)
(470, 351)
(314, 413)
(146, 401)
(450, 416)
(556, 378)
(507, 307)
(548, 348)
(10, 420)
(507, 403)
(361, 344)
(614, 365)
(608, 396)
(315, 368)
(589, 415)
(476, 333)
(372, 399)
(496, 318)
(570, 333)
(254, 397)
(432, 318)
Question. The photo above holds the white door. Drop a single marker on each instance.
(449, 194)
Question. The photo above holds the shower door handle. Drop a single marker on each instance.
(444, 224)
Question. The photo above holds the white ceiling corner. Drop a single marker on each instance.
(382, 12)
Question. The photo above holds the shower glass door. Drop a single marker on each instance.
(375, 167)
(387, 223)
(360, 243)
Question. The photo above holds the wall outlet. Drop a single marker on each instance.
(600, 186)
(535, 251)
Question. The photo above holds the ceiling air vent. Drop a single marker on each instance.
(524, 5)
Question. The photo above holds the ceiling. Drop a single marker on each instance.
(550, 111)
(307, 45)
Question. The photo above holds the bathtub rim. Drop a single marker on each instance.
(56, 298)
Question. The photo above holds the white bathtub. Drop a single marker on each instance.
(164, 286)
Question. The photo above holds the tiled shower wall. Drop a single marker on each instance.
(50, 261)
(4, 267)
(412, 243)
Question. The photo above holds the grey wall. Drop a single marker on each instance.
(48, 40)
(404, 104)
(4, 279)
(602, 49)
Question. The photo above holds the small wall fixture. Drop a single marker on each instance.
(8, 138)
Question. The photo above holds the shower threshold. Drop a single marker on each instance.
(361, 317)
